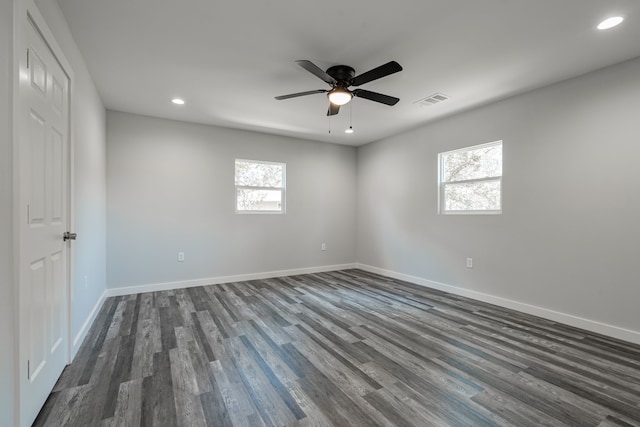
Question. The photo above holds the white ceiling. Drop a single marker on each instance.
(229, 58)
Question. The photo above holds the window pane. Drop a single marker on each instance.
(259, 174)
(472, 196)
(482, 162)
(259, 200)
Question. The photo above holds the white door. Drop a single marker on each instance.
(44, 180)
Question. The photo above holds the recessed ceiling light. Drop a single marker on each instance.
(178, 101)
(610, 22)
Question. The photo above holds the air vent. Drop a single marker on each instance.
(436, 98)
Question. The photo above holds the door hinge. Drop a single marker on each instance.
(28, 369)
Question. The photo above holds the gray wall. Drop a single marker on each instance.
(170, 188)
(89, 185)
(569, 236)
(6, 215)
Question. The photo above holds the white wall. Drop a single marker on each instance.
(6, 214)
(170, 188)
(89, 184)
(569, 237)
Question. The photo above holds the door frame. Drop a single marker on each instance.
(26, 13)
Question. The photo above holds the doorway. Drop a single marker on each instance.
(43, 221)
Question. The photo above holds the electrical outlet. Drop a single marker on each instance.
(469, 262)
(180, 256)
(323, 247)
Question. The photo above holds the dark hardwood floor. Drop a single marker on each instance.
(344, 348)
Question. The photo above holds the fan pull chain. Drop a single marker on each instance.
(350, 129)
(351, 114)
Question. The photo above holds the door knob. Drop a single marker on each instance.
(69, 236)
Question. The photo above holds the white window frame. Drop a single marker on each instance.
(282, 189)
(442, 183)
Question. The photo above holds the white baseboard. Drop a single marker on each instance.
(137, 289)
(77, 340)
(568, 319)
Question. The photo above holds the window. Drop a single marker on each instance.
(470, 179)
(260, 187)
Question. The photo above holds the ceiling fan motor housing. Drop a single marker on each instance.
(342, 73)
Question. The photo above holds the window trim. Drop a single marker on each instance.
(442, 184)
(282, 189)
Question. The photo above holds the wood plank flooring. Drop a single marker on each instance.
(345, 348)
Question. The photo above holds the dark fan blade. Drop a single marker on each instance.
(333, 109)
(376, 73)
(316, 71)
(294, 95)
(375, 96)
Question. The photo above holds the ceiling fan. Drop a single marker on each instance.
(340, 78)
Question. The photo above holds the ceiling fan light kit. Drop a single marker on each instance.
(340, 78)
(339, 96)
